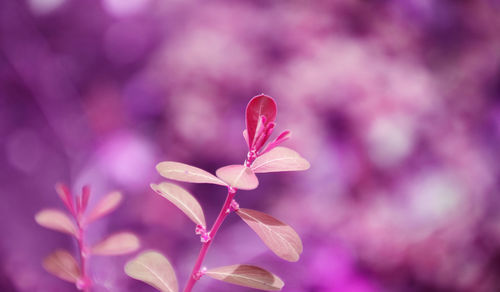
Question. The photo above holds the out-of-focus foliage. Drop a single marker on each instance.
(395, 104)
(61, 263)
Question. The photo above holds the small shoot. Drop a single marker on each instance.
(61, 263)
(65, 196)
(260, 116)
(154, 269)
(285, 135)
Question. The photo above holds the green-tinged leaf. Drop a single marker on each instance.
(187, 173)
(247, 276)
(154, 269)
(117, 244)
(56, 220)
(238, 176)
(182, 199)
(279, 159)
(278, 236)
(63, 265)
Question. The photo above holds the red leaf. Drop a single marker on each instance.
(117, 244)
(260, 105)
(182, 199)
(262, 137)
(238, 176)
(63, 265)
(279, 159)
(187, 173)
(56, 220)
(247, 276)
(154, 269)
(278, 236)
(85, 198)
(65, 195)
(285, 135)
(105, 206)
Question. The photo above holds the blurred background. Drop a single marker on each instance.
(396, 104)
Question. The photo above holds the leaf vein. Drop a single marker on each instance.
(157, 276)
(270, 230)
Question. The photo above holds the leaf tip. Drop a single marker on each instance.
(153, 186)
(307, 164)
(247, 276)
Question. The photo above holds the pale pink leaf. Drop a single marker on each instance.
(105, 206)
(56, 220)
(260, 105)
(182, 199)
(278, 236)
(154, 269)
(85, 197)
(279, 159)
(117, 244)
(247, 276)
(187, 173)
(238, 176)
(63, 265)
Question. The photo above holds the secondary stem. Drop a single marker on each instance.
(195, 274)
(83, 257)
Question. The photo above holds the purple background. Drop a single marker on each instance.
(396, 104)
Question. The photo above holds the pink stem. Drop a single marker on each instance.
(85, 280)
(196, 273)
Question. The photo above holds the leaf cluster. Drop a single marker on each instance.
(61, 262)
(153, 268)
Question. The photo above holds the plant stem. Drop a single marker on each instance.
(83, 257)
(195, 274)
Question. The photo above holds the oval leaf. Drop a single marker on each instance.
(182, 199)
(260, 105)
(56, 220)
(187, 173)
(117, 244)
(63, 265)
(247, 276)
(105, 206)
(154, 269)
(278, 236)
(238, 176)
(279, 159)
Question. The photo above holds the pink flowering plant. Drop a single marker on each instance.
(153, 268)
(61, 262)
